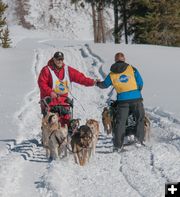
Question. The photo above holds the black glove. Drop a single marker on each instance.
(100, 84)
(69, 101)
(97, 83)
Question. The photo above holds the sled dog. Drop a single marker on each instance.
(107, 120)
(94, 126)
(74, 125)
(147, 127)
(54, 136)
(81, 143)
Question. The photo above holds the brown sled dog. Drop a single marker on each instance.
(147, 128)
(107, 120)
(54, 136)
(81, 143)
(107, 123)
(94, 126)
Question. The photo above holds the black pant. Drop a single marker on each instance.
(121, 115)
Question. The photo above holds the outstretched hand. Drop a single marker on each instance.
(96, 81)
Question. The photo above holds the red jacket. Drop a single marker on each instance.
(45, 80)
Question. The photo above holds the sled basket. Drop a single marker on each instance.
(63, 109)
(130, 123)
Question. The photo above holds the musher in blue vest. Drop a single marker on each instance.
(128, 84)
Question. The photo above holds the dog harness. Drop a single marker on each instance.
(61, 86)
(125, 81)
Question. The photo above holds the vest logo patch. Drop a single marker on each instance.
(61, 87)
(124, 78)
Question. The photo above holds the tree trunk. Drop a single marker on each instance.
(99, 26)
(75, 6)
(100, 33)
(102, 23)
(94, 21)
(116, 20)
(98, 21)
(125, 21)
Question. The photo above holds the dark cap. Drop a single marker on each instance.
(58, 55)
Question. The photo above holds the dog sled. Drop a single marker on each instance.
(63, 109)
(130, 123)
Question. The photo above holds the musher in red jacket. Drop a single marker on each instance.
(54, 81)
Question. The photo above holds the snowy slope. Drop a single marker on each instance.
(58, 18)
(24, 169)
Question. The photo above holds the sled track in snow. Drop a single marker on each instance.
(95, 60)
(152, 162)
(169, 125)
(155, 154)
(31, 150)
(135, 164)
(153, 158)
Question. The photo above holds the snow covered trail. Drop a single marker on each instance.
(25, 151)
(135, 172)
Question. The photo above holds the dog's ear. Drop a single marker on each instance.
(50, 119)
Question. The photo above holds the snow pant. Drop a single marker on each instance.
(121, 115)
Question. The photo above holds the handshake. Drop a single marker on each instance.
(97, 82)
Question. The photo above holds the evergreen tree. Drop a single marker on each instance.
(155, 22)
(147, 21)
(5, 40)
(121, 16)
(2, 10)
(4, 33)
(138, 10)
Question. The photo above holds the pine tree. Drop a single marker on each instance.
(124, 17)
(4, 33)
(155, 22)
(5, 40)
(138, 26)
(121, 16)
(2, 10)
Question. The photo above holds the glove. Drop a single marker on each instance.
(96, 82)
(69, 101)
